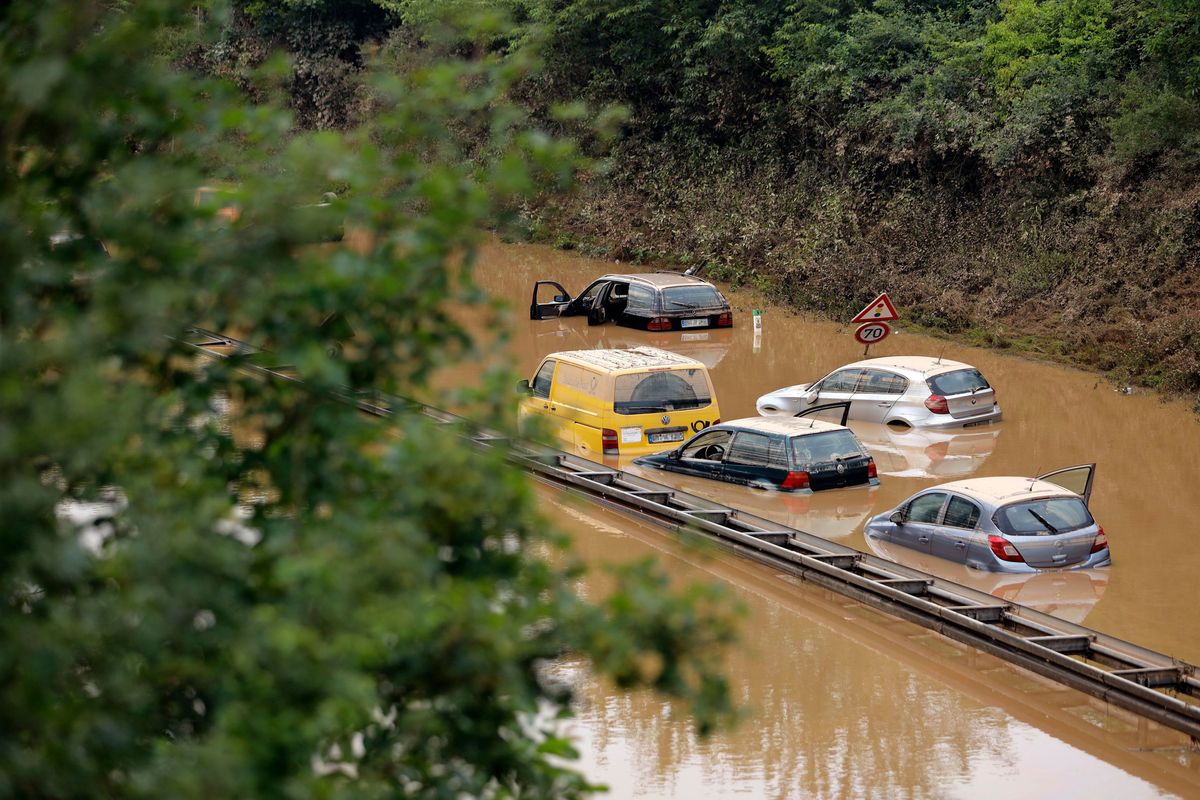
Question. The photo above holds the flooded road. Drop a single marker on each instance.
(846, 702)
(1146, 494)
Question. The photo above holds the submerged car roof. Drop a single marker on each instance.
(660, 280)
(788, 426)
(925, 365)
(634, 359)
(1002, 490)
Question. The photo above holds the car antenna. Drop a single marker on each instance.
(940, 354)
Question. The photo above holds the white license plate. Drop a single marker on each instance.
(670, 436)
(698, 322)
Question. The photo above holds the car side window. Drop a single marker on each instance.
(641, 298)
(927, 507)
(589, 294)
(708, 446)
(841, 381)
(750, 449)
(777, 456)
(878, 381)
(961, 513)
(541, 381)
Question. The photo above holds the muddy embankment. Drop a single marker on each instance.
(1105, 279)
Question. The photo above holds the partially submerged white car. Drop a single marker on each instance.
(918, 391)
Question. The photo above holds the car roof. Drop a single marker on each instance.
(633, 359)
(1002, 490)
(660, 280)
(923, 365)
(787, 426)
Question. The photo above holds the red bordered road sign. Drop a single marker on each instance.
(872, 332)
(878, 310)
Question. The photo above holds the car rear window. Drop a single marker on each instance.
(1044, 517)
(829, 446)
(960, 381)
(676, 297)
(661, 390)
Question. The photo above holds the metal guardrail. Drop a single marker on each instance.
(1151, 684)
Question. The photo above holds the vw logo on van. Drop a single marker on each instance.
(665, 419)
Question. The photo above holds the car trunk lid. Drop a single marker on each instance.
(835, 474)
(1060, 550)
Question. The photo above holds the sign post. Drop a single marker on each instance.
(874, 321)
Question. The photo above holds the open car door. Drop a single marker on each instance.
(840, 405)
(552, 303)
(1077, 479)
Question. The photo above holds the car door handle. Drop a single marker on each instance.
(960, 545)
(883, 405)
(923, 539)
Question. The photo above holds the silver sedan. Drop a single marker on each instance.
(918, 391)
(1002, 524)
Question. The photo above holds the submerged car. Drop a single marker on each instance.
(918, 391)
(656, 301)
(1003, 524)
(619, 402)
(777, 453)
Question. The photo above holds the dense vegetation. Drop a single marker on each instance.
(1022, 171)
(279, 597)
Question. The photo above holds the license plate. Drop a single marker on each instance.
(693, 337)
(698, 322)
(670, 436)
(976, 423)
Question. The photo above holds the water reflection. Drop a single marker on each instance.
(926, 453)
(574, 333)
(1067, 594)
(846, 702)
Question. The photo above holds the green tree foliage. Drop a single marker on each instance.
(376, 620)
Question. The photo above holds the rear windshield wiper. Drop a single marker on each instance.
(685, 305)
(1042, 520)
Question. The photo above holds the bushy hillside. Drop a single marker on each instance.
(1022, 172)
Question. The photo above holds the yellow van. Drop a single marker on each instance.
(621, 402)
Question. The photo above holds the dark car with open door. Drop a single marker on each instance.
(785, 453)
(656, 301)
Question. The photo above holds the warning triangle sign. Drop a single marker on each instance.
(878, 310)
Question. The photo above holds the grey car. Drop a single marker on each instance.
(918, 391)
(1004, 524)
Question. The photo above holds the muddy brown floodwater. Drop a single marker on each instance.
(847, 703)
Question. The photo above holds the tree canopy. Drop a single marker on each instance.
(284, 598)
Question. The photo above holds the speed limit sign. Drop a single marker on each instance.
(872, 332)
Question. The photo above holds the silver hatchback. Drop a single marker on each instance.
(918, 391)
(1002, 524)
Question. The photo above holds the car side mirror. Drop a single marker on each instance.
(561, 298)
(675, 455)
(523, 386)
(897, 517)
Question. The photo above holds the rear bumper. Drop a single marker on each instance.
(947, 422)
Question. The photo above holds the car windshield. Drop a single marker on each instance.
(960, 381)
(829, 446)
(1044, 517)
(662, 390)
(691, 297)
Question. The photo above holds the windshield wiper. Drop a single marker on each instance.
(1042, 520)
(685, 305)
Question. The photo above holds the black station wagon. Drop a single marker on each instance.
(656, 301)
(773, 452)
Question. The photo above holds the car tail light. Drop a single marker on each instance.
(1100, 542)
(872, 472)
(1004, 549)
(659, 324)
(795, 480)
(608, 442)
(937, 404)
(725, 320)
